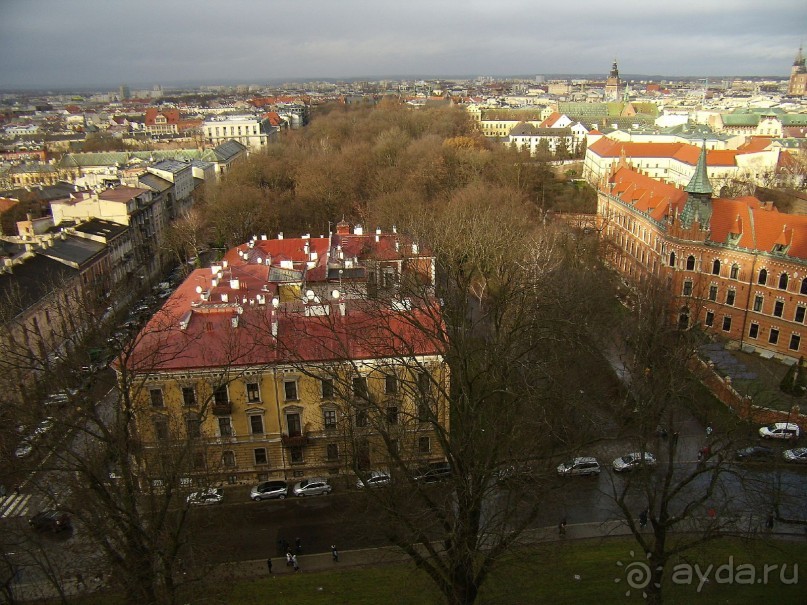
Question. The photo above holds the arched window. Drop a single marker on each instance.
(804, 286)
(783, 281)
(763, 277)
(690, 263)
(735, 271)
(672, 259)
(716, 267)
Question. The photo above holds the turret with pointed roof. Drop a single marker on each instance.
(698, 206)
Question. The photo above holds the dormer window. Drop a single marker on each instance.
(779, 249)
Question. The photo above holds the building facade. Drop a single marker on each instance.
(253, 132)
(278, 364)
(737, 267)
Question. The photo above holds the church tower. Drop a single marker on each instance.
(797, 86)
(612, 84)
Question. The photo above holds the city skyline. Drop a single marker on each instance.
(82, 44)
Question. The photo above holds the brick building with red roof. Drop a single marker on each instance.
(737, 267)
(282, 359)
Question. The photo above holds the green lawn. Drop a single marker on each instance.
(573, 572)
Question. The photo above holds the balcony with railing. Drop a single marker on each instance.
(296, 439)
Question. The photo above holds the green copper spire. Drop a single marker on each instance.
(699, 183)
(698, 207)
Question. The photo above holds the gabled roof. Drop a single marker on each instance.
(760, 226)
(647, 195)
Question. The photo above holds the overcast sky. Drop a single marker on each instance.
(105, 43)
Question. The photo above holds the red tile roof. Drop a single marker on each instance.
(171, 116)
(761, 225)
(682, 152)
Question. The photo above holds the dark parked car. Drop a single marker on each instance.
(753, 452)
(269, 489)
(50, 520)
(432, 473)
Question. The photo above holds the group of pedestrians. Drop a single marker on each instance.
(292, 554)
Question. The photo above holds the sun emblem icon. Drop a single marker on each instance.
(637, 575)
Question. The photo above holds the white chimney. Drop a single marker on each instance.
(224, 297)
(357, 230)
(280, 235)
(414, 248)
(235, 284)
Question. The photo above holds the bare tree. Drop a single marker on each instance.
(464, 368)
(679, 492)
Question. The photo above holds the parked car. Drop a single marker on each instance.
(780, 430)
(44, 426)
(50, 520)
(57, 399)
(204, 497)
(24, 449)
(583, 466)
(628, 462)
(315, 486)
(753, 452)
(433, 472)
(374, 479)
(269, 489)
(519, 471)
(798, 455)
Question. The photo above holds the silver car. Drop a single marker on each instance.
(374, 479)
(582, 466)
(315, 486)
(628, 462)
(798, 454)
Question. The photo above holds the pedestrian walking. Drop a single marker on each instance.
(643, 519)
(289, 557)
(334, 553)
(294, 563)
(675, 438)
(269, 564)
(299, 546)
(562, 527)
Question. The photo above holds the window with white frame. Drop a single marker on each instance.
(189, 396)
(260, 455)
(290, 390)
(225, 426)
(253, 392)
(156, 398)
(256, 424)
(731, 295)
(773, 337)
(795, 342)
(228, 458)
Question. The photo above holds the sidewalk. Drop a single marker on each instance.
(368, 557)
